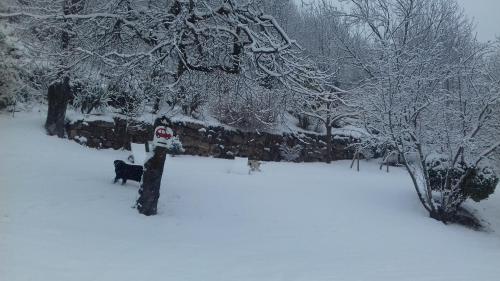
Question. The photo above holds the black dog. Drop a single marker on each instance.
(126, 171)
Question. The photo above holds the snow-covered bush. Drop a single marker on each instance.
(290, 153)
(193, 93)
(175, 146)
(482, 184)
(303, 122)
(127, 96)
(89, 96)
(479, 182)
(244, 104)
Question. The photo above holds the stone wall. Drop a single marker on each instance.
(213, 141)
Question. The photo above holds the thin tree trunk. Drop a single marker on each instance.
(354, 158)
(328, 142)
(357, 165)
(421, 197)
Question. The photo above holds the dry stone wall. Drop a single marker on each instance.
(215, 141)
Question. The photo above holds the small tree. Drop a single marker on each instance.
(328, 107)
(428, 92)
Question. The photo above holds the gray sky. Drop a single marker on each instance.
(486, 15)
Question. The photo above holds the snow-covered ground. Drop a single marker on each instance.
(61, 218)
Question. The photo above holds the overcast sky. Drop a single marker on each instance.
(486, 15)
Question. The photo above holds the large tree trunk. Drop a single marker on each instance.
(59, 92)
(149, 193)
(58, 96)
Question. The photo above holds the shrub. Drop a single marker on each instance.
(89, 96)
(175, 146)
(482, 184)
(479, 184)
(290, 154)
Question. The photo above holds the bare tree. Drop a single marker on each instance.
(329, 108)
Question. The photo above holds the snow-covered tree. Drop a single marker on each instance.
(426, 94)
(10, 81)
(327, 39)
(18, 86)
(162, 42)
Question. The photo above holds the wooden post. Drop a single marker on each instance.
(354, 158)
(149, 193)
(328, 142)
(357, 166)
(384, 160)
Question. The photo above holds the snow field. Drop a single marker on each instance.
(61, 218)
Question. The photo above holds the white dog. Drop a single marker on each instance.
(254, 165)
